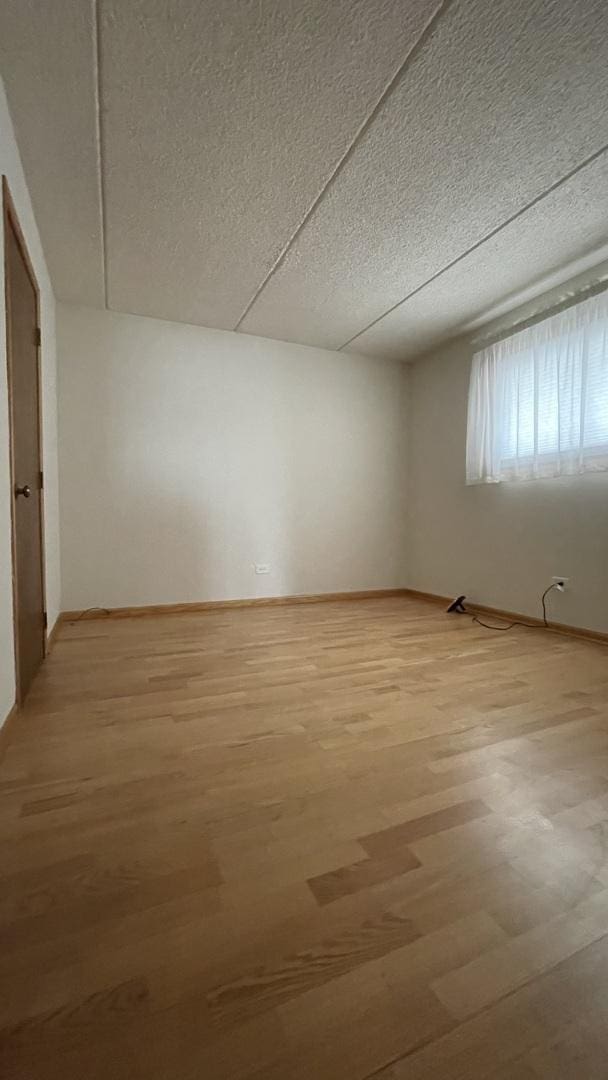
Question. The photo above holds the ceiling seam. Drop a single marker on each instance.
(419, 44)
(100, 144)
(493, 232)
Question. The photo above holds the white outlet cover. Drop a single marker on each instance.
(262, 568)
(561, 580)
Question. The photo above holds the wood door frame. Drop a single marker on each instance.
(11, 220)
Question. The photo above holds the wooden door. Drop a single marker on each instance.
(22, 347)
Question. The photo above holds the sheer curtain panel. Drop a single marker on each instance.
(538, 401)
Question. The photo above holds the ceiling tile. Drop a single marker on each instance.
(47, 63)
(221, 125)
(503, 100)
(540, 241)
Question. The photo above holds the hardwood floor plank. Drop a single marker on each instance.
(396, 836)
(490, 977)
(260, 990)
(361, 875)
(521, 1024)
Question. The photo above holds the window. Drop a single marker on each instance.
(538, 401)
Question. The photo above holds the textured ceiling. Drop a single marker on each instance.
(47, 61)
(361, 174)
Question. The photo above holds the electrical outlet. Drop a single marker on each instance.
(561, 582)
(262, 568)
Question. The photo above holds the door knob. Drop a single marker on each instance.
(26, 491)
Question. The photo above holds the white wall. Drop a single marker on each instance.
(499, 544)
(10, 166)
(187, 455)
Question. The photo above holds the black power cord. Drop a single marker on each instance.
(87, 611)
(517, 622)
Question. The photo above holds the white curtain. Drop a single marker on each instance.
(538, 401)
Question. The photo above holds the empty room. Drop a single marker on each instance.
(304, 540)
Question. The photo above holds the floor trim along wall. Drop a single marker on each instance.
(7, 729)
(212, 605)
(500, 613)
(315, 598)
(52, 635)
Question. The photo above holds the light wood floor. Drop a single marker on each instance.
(341, 841)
